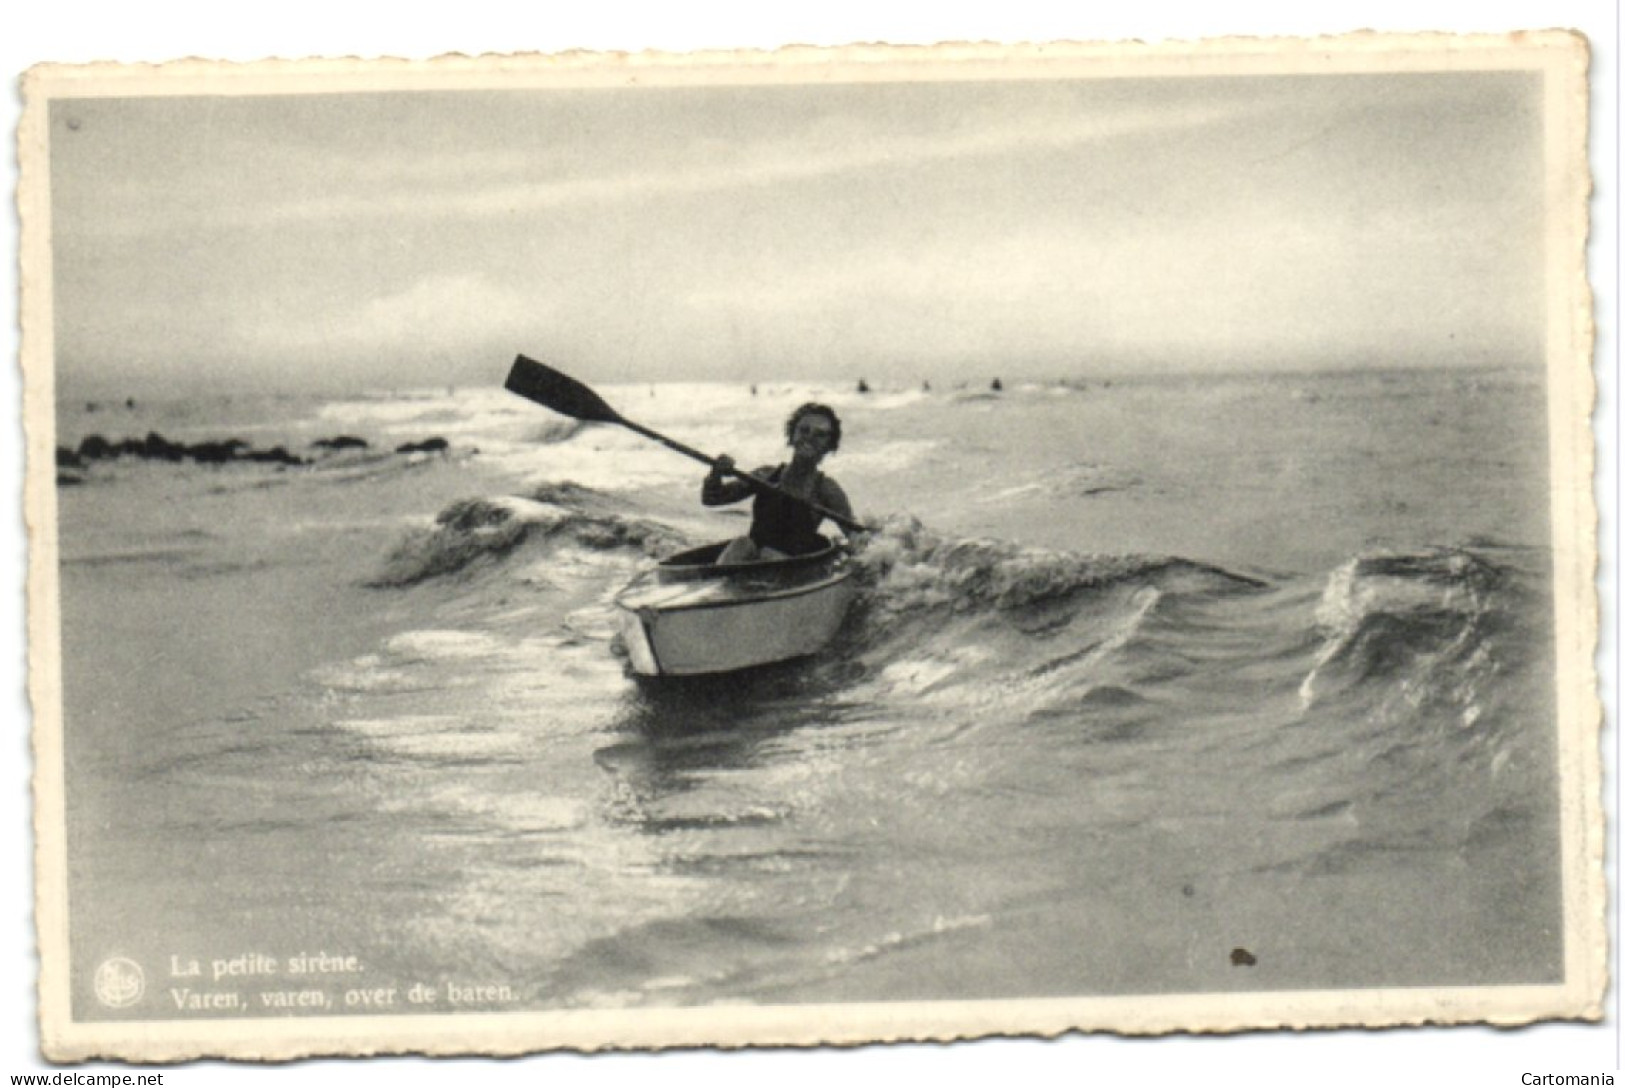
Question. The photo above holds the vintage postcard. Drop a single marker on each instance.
(824, 546)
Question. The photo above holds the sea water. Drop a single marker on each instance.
(1152, 685)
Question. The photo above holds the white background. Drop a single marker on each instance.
(77, 31)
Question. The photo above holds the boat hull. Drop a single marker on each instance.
(689, 618)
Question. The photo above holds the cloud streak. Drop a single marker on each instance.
(1262, 222)
(497, 184)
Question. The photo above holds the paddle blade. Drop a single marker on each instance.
(560, 392)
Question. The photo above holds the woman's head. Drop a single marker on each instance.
(817, 413)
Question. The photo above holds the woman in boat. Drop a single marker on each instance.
(781, 527)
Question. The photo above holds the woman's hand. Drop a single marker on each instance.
(716, 489)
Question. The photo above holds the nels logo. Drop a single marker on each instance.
(119, 983)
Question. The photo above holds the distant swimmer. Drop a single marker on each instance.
(997, 386)
(863, 386)
(925, 387)
(780, 526)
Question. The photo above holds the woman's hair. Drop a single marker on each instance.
(814, 409)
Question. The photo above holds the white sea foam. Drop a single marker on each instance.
(442, 645)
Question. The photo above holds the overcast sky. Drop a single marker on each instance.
(894, 231)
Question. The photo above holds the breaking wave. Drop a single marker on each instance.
(914, 566)
(1395, 642)
(1415, 631)
(471, 532)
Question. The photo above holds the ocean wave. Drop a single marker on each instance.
(897, 941)
(1015, 633)
(1419, 720)
(473, 531)
(547, 432)
(437, 740)
(912, 566)
(1419, 627)
(1084, 480)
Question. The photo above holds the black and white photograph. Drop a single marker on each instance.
(831, 546)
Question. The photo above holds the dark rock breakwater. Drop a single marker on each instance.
(71, 462)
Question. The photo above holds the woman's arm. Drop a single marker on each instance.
(718, 489)
(831, 497)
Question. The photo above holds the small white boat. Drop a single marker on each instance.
(688, 616)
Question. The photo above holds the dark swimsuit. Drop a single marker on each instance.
(784, 524)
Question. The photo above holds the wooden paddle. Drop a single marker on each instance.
(566, 396)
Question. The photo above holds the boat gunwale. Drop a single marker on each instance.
(830, 581)
(670, 569)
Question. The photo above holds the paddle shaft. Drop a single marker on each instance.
(669, 443)
(548, 387)
(757, 482)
